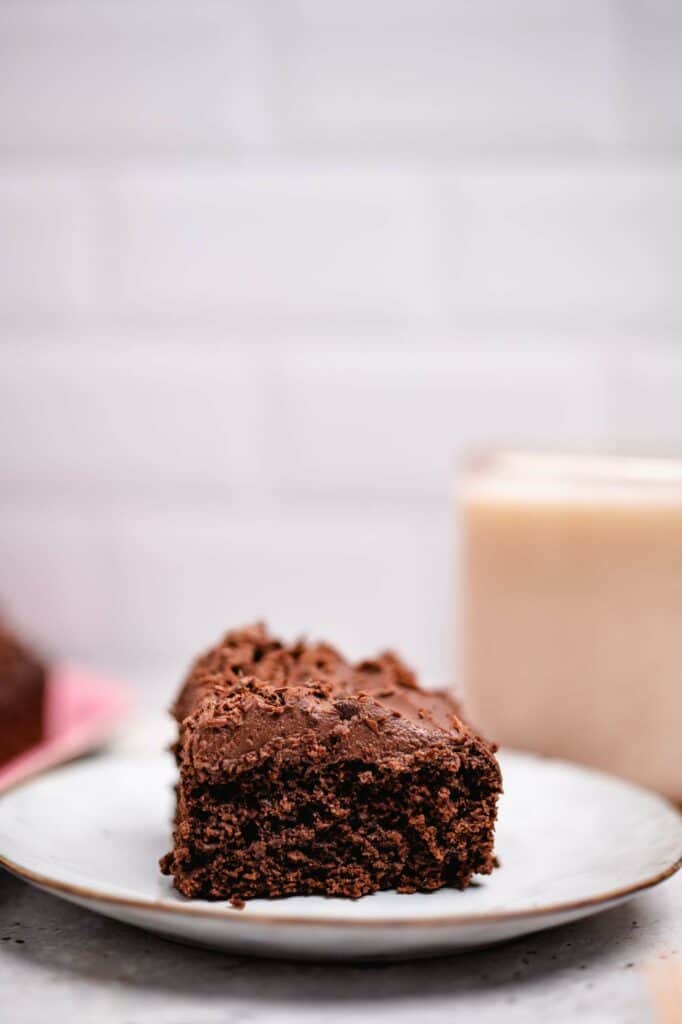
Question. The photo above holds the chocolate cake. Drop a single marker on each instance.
(22, 697)
(301, 773)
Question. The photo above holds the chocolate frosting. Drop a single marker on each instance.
(248, 697)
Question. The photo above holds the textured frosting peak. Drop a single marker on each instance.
(251, 653)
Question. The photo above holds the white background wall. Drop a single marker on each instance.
(268, 269)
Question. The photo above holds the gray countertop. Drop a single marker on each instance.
(60, 962)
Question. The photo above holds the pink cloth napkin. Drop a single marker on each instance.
(82, 710)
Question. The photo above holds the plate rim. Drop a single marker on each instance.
(221, 911)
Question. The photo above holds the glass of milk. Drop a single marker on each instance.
(571, 597)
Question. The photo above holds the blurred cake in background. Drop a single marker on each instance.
(571, 588)
(22, 696)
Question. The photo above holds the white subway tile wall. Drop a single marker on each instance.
(269, 271)
(566, 247)
(125, 414)
(47, 235)
(494, 76)
(271, 245)
(360, 422)
(97, 78)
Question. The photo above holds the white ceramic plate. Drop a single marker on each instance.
(571, 842)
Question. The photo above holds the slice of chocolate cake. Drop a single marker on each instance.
(301, 773)
(22, 697)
